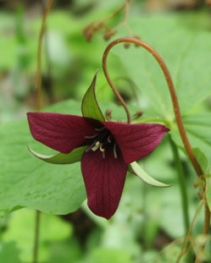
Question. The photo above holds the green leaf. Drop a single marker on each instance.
(90, 107)
(72, 157)
(28, 182)
(137, 170)
(185, 48)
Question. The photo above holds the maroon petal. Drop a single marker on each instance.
(104, 180)
(136, 140)
(61, 132)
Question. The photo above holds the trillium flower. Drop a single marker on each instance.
(106, 149)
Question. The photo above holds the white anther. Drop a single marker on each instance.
(96, 146)
(101, 148)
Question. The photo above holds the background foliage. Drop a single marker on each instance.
(148, 218)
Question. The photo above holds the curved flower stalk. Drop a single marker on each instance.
(195, 163)
(106, 149)
(171, 88)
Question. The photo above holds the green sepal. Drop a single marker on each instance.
(136, 169)
(90, 107)
(61, 158)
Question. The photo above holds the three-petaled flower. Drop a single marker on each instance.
(107, 148)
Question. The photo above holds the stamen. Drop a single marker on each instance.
(114, 151)
(96, 146)
(109, 139)
(90, 147)
(101, 148)
(91, 137)
(100, 129)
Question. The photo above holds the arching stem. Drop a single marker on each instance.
(175, 104)
(171, 88)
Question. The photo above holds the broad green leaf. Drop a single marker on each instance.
(137, 170)
(184, 46)
(72, 157)
(26, 181)
(90, 107)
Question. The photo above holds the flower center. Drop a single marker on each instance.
(103, 139)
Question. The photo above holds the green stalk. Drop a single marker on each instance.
(184, 198)
(36, 237)
(39, 106)
(182, 186)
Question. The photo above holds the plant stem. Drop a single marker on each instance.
(175, 104)
(188, 242)
(205, 232)
(207, 220)
(171, 88)
(184, 198)
(39, 106)
(36, 236)
(182, 185)
(39, 56)
(49, 82)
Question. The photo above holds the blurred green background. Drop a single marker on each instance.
(148, 219)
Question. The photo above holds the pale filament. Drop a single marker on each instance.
(114, 151)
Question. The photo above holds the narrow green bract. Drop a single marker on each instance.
(90, 107)
(60, 158)
(137, 170)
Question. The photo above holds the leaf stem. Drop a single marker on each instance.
(36, 236)
(117, 94)
(184, 199)
(39, 56)
(39, 106)
(182, 185)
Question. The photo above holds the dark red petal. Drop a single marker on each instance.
(104, 180)
(61, 132)
(136, 140)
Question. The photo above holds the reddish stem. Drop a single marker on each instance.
(169, 81)
(175, 104)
